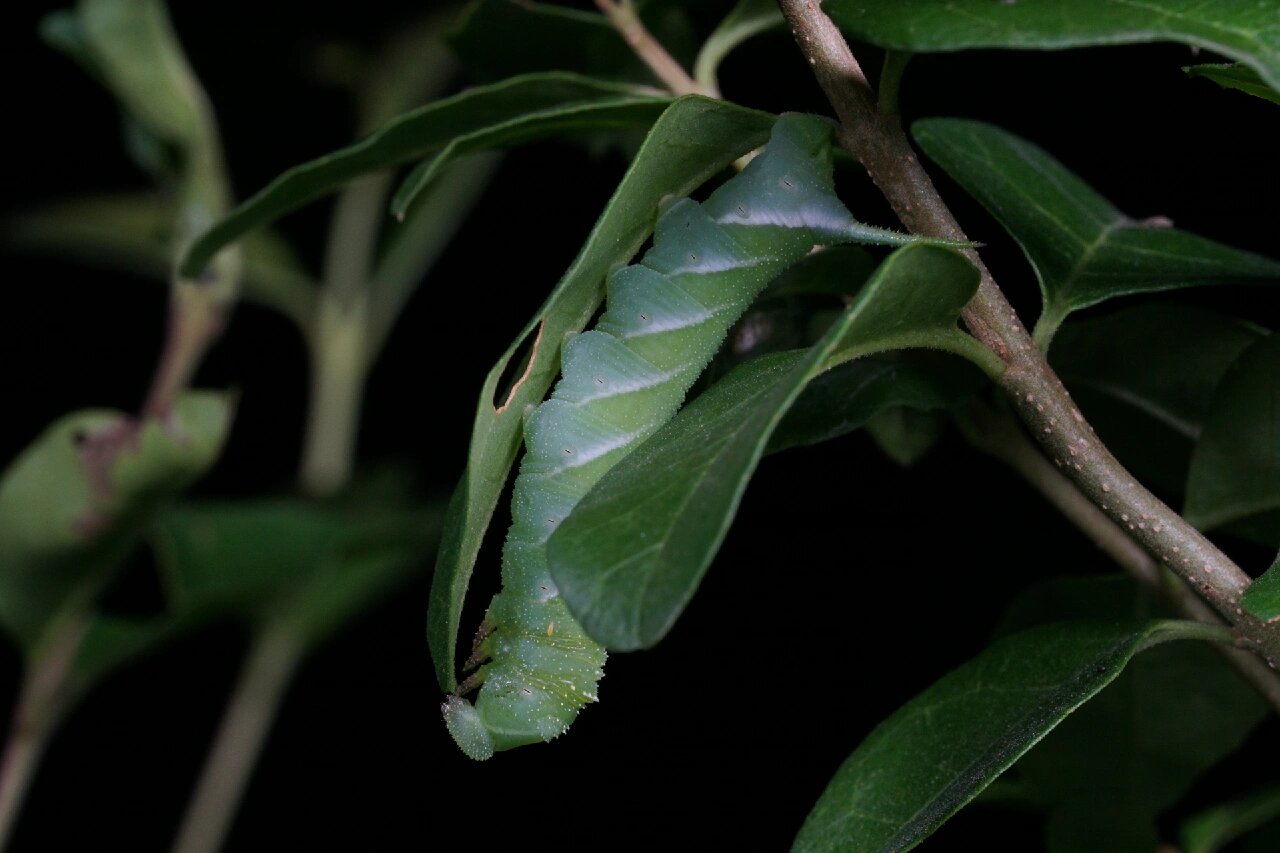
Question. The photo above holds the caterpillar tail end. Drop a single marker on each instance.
(468, 730)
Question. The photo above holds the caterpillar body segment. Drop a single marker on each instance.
(665, 318)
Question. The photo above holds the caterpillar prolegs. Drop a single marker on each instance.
(665, 318)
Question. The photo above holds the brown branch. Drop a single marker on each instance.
(1000, 437)
(879, 142)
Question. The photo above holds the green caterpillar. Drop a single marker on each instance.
(666, 317)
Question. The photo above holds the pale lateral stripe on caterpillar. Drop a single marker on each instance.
(666, 317)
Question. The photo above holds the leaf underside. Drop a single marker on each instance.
(1245, 30)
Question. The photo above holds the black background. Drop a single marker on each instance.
(846, 585)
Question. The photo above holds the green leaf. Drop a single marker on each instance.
(1083, 249)
(309, 565)
(1116, 765)
(131, 47)
(747, 19)
(506, 113)
(1262, 598)
(852, 395)
(1235, 76)
(1213, 829)
(693, 140)
(72, 504)
(132, 44)
(678, 492)
(1145, 376)
(937, 752)
(1245, 30)
(135, 232)
(1235, 469)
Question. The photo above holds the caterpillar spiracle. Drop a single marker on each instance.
(665, 318)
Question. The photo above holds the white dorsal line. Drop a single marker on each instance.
(791, 219)
(613, 389)
(724, 264)
(583, 455)
(668, 324)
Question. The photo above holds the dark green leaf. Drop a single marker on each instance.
(748, 18)
(693, 140)
(631, 554)
(73, 503)
(1262, 598)
(1235, 469)
(1235, 76)
(310, 565)
(938, 751)
(847, 397)
(1145, 376)
(1246, 30)
(1113, 767)
(1212, 830)
(506, 113)
(1083, 249)
(1162, 359)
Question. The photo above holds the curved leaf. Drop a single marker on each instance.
(1116, 765)
(516, 110)
(1083, 249)
(631, 554)
(852, 395)
(73, 503)
(938, 751)
(1235, 76)
(1235, 469)
(690, 142)
(1247, 30)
